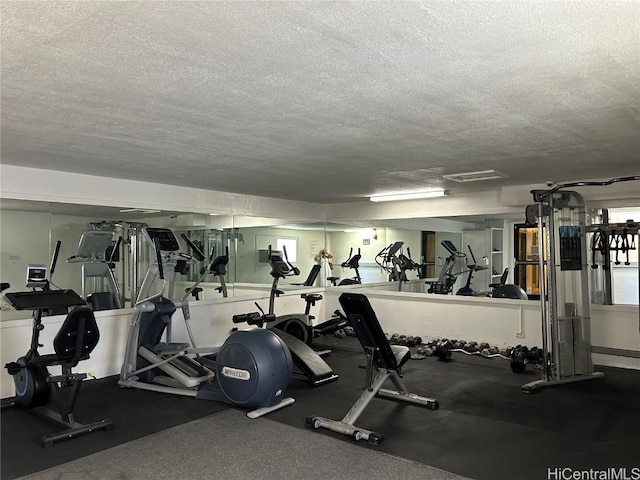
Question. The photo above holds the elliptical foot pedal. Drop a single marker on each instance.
(259, 412)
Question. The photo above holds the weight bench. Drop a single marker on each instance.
(383, 359)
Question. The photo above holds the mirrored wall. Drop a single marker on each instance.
(102, 249)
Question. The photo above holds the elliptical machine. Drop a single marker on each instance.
(251, 369)
(404, 263)
(385, 260)
(53, 397)
(447, 279)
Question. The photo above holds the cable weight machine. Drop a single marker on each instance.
(563, 278)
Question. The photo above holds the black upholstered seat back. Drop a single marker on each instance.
(101, 301)
(367, 327)
(77, 337)
(313, 275)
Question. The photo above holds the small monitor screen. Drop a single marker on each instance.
(166, 238)
(36, 273)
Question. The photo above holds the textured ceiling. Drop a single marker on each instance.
(322, 101)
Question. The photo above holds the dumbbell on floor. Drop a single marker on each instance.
(444, 349)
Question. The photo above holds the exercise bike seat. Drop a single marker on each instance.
(75, 340)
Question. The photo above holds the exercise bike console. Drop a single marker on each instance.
(45, 300)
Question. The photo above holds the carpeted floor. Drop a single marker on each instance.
(230, 446)
(486, 428)
(135, 413)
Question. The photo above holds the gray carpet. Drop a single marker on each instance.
(228, 446)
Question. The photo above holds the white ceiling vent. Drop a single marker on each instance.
(474, 176)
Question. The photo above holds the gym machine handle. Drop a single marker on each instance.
(541, 195)
(295, 270)
(156, 244)
(205, 268)
(194, 248)
(346, 262)
(115, 250)
(54, 259)
(254, 318)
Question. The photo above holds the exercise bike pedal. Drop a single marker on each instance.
(13, 367)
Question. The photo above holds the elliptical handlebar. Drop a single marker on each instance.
(385, 258)
(197, 253)
(54, 258)
(115, 249)
(382, 257)
(474, 267)
(254, 318)
(140, 302)
(346, 262)
(156, 245)
(205, 268)
(411, 262)
(295, 270)
(353, 261)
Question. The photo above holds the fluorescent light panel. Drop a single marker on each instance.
(438, 192)
(139, 210)
(474, 176)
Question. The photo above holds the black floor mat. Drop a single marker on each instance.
(486, 428)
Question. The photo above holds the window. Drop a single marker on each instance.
(291, 244)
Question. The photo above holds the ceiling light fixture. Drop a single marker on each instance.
(475, 176)
(438, 192)
(139, 210)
